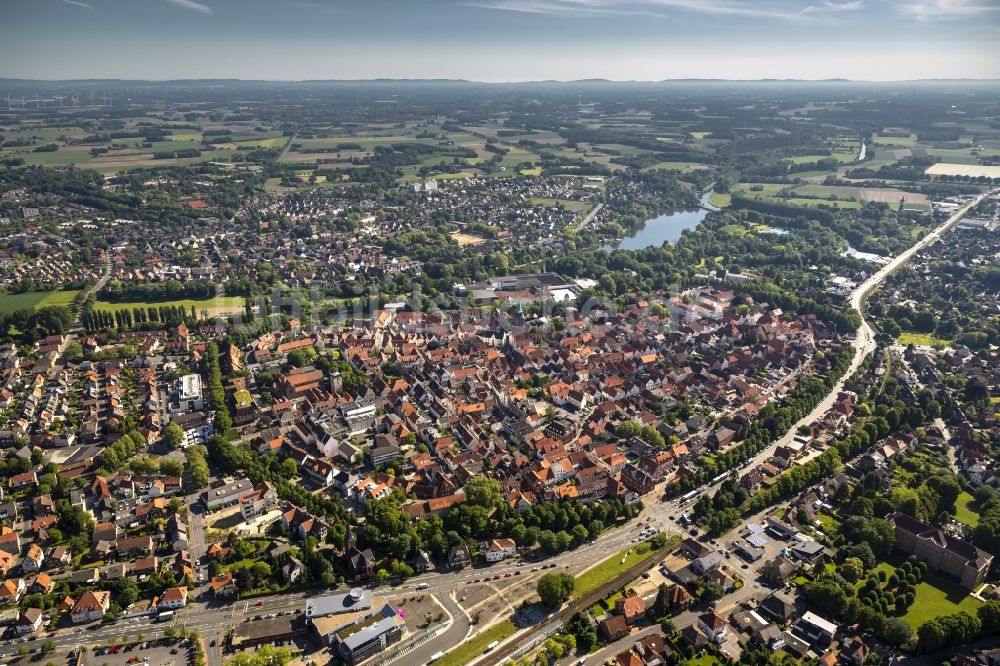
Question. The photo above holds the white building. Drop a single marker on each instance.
(496, 550)
(185, 395)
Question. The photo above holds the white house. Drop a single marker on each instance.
(496, 550)
(91, 606)
(713, 625)
(174, 597)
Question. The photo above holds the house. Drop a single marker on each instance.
(42, 583)
(613, 628)
(778, 570)
(942, 551)
(815, 629)
(855, 650)
(174, 597)
(694, 637)
(91, 606)
(223, 585)
(808, 551)
(29, 621)
(33, 559)
(11, 591)
(631, 607)
(713, 625)
(24, 480)
(496, 550)
(680, 598)
(779, 606)
(258, 502)
(459, 557)
(722, 578)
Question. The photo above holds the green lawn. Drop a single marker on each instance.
(720, 200)
(474, 647)
(964, 511)
(611, 567)
(936, 594)
(211, 304)
(35, 299)
(926, 339)
(706, 659)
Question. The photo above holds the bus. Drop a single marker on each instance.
(164, 616)
(688, 497)
(492, 646)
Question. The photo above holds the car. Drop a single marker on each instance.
(52, 634)
(647, 575)
(173, 650)
(497, 577)
(534, 568)
(211, 643)
(693, 531)
(508, 575)
(476, 580)
(259, 603)
(517, 573)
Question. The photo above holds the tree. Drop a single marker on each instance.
(897, 631)
(989, 616)
(852, 569)
(711, 591)
(173, 435)
(555, 589)
(586, 634)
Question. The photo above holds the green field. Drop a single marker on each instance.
(925, 339)
(964, 510)
(474, 647)
(936, 595)
(212, 305)
(720, 200)
(683, 167)
(35, 299)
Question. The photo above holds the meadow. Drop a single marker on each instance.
(35, 299)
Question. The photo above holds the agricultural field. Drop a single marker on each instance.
(971, 170)
(683, 167)
(35, 299)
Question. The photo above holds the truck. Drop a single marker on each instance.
(492, 646)
(165, 616)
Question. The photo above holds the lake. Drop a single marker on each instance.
(658, 229)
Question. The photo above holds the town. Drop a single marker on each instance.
(462, 388)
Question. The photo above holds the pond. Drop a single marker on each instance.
(654, 231)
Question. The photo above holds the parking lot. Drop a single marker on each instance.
(135, 655)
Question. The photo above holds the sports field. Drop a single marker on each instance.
(211, 305)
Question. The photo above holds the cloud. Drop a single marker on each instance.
(192, 5)
(924, 10)
(77, 3)
(834, 7)
(751, 8)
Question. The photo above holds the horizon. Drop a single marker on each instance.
(501, 41)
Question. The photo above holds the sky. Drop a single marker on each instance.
(500, 40)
